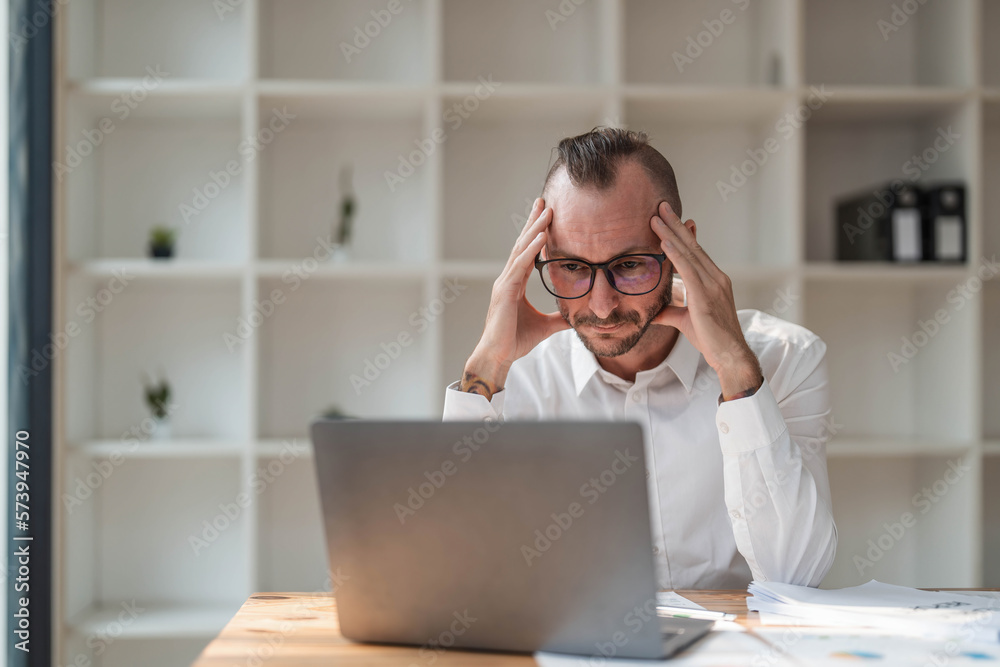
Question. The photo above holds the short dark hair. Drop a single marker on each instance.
(594, 159)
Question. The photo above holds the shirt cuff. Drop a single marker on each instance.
(746, 424)
(465, 406)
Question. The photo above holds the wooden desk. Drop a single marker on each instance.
(301, 629)
(295, 629)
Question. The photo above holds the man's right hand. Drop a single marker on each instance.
(513, 326)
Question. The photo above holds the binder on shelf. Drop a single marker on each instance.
(903, 223)
(906, 230)
(862, 226)
(945, 229)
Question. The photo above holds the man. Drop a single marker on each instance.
(733, 404)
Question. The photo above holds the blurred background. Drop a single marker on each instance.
(269, 210)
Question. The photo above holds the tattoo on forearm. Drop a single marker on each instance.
(744, 393)
(474, 384)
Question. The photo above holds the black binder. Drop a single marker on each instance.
(903, 223)
(945, 228)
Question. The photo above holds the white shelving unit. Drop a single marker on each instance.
(186, 85)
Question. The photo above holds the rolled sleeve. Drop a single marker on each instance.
(465, 406)
(750, 423)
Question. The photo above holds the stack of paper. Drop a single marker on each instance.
(898, 609)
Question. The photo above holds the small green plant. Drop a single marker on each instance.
(161, 241)
(347, 208)
(334, 412)
(158, 398)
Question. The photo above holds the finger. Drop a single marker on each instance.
(674, 224)
(531, 231)
(682, 257)
(523, 236)
(521, 266)
(686, 236)
(536, 209)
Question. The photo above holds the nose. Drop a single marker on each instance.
(603, 298)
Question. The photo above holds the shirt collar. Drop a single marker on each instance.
(682, 360)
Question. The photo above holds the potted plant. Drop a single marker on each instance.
(157, 396)
(341, 236)
(161, 242)
(334, 412)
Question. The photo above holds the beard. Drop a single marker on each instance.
(600, 346)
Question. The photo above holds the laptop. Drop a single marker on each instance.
(516, 536)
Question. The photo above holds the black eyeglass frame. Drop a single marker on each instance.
(603, 266)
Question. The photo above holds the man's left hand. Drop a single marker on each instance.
(709, 320)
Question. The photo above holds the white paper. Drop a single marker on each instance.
(716, 648)
(834, 647)
(932, 614)
(674, 599)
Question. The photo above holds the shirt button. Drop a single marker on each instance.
(647, 474)
(656, 550)
(735, 514)
(637, 396)
(724, 427)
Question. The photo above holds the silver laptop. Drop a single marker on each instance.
(522, 536)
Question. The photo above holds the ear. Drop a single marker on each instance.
(690, 224)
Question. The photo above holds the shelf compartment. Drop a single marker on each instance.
(163, 568)
(188, 38)
(740, 205)
(897, 371)
(127, 167)
(495, 163)
(481, 38)
(721, 42)
(347, 41)
(846, 156)
(876, 43)
(934, 550)
(290, 532)
(176, 328)
(336, 322)
(300, 191)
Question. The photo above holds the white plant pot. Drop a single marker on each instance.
(161, 429)
(340, 254)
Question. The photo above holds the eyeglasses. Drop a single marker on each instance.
(631, 275)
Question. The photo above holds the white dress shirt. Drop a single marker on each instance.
(740, 488)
